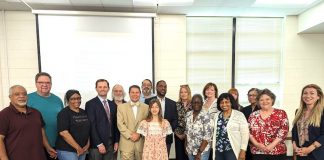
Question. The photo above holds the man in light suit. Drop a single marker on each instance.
(129, 116)
(102, 114)
(169, 109)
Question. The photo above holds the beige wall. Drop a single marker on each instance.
(170, 52)
(18, 52)
(302, 56)
(303, 63)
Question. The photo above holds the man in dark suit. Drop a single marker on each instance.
(169, 109)
(102, 114)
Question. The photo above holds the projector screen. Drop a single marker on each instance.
(78, 50)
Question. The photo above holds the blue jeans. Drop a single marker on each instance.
(67, 155)
(204, 156)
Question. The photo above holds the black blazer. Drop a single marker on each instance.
(315, 134)
(100, 126)
(170, 114)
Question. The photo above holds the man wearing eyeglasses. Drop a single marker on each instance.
(146, 90)
(49, 105)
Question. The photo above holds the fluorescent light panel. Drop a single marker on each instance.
(163, 2)
(283, 2)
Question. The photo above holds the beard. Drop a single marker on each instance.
(146, 91)
(22, 103)
(118, 98)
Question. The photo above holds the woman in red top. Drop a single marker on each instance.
(268, 129)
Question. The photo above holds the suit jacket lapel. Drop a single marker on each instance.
(130, 111)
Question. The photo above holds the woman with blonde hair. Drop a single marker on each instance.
(308, 130)
(183, 107)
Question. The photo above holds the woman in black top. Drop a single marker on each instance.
(73, 129)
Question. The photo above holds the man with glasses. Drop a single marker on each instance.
(49, 105)
(146, 90)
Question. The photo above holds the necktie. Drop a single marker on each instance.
(134, 104)
(107, 109)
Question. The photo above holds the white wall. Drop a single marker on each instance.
(18, 52)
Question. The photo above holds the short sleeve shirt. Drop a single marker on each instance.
(23, 133)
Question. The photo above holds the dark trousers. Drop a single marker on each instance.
(168, 148)
(248, 154)
(211, 154)
(269, 157)
(95, 155)
(180, 149)
(226, 155)
(308, 157)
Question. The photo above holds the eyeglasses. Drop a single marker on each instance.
(44, 83)
(75, 99)
(251, 95)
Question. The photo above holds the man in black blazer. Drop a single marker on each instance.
(169, 109)
(102, 114)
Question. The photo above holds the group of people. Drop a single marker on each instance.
(37, 125)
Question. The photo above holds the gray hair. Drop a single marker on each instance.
(14, 87)
(116, 85)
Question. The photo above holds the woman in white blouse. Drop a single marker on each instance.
(231, 132)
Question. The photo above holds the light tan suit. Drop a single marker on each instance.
(127, 124)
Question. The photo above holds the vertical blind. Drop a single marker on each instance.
(209, 51)
(257, 56)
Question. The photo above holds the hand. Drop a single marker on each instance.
(180, 136)
(198, 156)
(86, 147)
(241, 155)
(134, 136)
(52, 152)
(116, 145)
(270, 147)
(80, 151)
(304, 151)
(102, 149)
(261, 146)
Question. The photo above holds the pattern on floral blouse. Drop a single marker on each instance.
(182, 111)
(197, 131)
(267, 130)
(222, 142)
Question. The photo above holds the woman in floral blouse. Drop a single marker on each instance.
(268, 129)
(198, 130)
(231, 131)
(183, 107)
